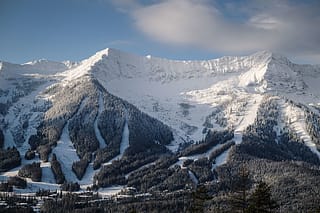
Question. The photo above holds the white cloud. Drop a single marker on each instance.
(174, 21)
(264, 21)
(196, 23)
(279, 26)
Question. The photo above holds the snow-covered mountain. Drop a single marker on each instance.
(183, 94)
(114, 105)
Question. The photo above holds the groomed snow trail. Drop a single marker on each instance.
(47, 174)
(193, 177)
(295, 118)
(66, 154)
(87, 178)
(124, 142)
(195, 157)
(248, 119)
(102, 143)
(221, 159)
(140, 168)
(47, 179)
(24, 108)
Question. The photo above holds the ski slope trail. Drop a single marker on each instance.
(249, 116)
(124, 143)
(66, 154)
(295, 118)
(102, 142)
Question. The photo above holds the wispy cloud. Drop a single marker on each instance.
(289, 27)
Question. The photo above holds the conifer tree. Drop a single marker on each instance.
(199, 197)
(261, 201)
(239, 198)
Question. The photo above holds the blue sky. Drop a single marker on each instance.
(177, 29)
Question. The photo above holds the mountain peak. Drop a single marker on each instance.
(110, 63)
(127, 111)
(258, 57)
(39, 61)
(111, 52)
(263, 53)
(271, 56)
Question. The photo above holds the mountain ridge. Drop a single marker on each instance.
(259, 73)
(140, 65)
(117, 118)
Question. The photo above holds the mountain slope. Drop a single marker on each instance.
(117, 118)
(184, 94)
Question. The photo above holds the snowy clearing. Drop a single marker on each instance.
(109, 191)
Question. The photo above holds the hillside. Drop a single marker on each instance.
(116, 119)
